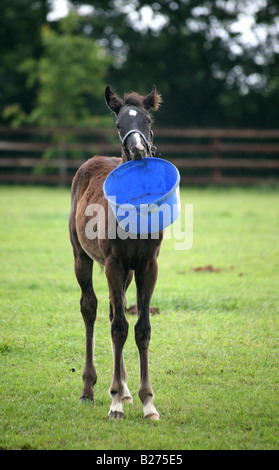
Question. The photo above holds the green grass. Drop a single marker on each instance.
(214, 346)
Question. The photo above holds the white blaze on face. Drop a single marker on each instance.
(139, 144)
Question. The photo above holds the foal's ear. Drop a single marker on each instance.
(153, 100)
(113, 101)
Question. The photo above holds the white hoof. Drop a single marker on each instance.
(127, 397)
(127, 400)
(116, 409)
(155, 417)
(150, 411)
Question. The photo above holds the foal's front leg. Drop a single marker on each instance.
(116, 277)
(127, 397)
(145, 280)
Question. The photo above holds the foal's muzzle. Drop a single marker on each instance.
(136, 145)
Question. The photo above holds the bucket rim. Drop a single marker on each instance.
(161, 199)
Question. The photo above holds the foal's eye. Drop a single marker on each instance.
(117, 125)
(148, 121)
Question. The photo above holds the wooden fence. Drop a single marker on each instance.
(203, 156)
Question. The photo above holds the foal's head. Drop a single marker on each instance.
(133, 121)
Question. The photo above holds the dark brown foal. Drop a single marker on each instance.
(120, 255)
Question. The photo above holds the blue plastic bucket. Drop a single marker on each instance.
(144, 195)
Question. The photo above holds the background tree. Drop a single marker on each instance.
(69, 76)
(20, 26)
(195, 52)
(208, 71)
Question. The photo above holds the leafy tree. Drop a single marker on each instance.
(192, 49)
(70, 75)
(207, 73)
(20, 24)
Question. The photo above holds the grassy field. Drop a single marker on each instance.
(214, 346)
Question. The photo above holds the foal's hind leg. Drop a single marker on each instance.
(145, 280)
(88, 307)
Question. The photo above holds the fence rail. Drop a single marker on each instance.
(203, 156)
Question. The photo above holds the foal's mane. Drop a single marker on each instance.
(135, 99)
